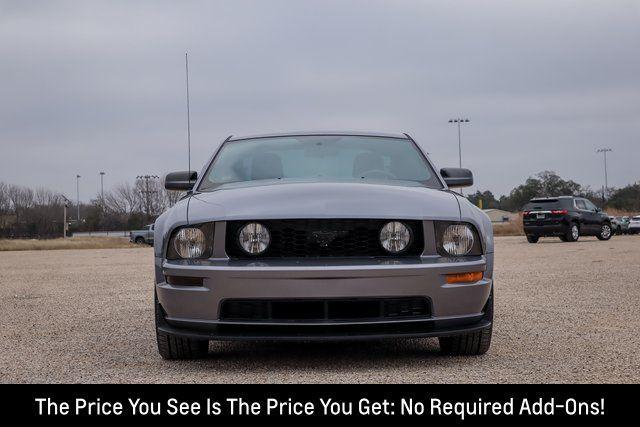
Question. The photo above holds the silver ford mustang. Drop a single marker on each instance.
(322, 236)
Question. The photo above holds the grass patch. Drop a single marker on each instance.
(509, 228)
(70, 243)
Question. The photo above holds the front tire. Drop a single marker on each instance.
(173, 347)
(605, 232)
(533, 239)
(474, 343)
(139, 240)
(573, 233)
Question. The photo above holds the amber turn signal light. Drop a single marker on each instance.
(464, 277)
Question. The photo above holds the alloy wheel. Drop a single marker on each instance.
(575, 233)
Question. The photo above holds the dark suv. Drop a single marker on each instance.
(565, 217)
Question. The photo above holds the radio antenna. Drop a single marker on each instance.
(186, 64)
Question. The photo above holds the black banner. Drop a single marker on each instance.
(454, 403)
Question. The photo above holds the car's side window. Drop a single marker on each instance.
(581, 205)
(590, 206)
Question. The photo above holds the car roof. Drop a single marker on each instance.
(551, 198)
(321, 133)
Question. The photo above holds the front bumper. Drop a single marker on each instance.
(194, 311)
(327, 332)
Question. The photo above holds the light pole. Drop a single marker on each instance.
(64, 218)
(147, 191)
(458, 121)
(604, 151)
(102, 189)
(78, 195)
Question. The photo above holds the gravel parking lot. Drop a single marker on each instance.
(565, 312)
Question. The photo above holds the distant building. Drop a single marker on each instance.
(498, 215)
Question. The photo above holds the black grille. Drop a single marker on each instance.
(304, 238)
(292, 310)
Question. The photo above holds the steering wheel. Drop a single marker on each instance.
(371, 173)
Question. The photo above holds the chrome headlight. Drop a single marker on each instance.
(191, 242)
(457, 239)
(254, 238)
(395, 237)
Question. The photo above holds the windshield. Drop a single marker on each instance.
(319, 158)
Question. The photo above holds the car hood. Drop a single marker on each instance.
(323, 200)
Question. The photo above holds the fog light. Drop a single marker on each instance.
(395, 237)
(472, 277)
(254, 238)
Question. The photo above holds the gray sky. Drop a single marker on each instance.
(89, 86)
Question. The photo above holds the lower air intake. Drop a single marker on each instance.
(295, 310)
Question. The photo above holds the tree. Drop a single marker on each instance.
(45, 216)
(93, 216)
(123, 199)
(21, 198)
(488, 199)
(545, 184)
(5, 204)
(520, 195)
(150, 192)
(626, 198)
(171, 197)
(25, 212)
(553, 185)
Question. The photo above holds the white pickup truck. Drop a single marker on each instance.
(144, 236)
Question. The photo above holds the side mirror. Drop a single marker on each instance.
(180, 181)
(457, 177)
